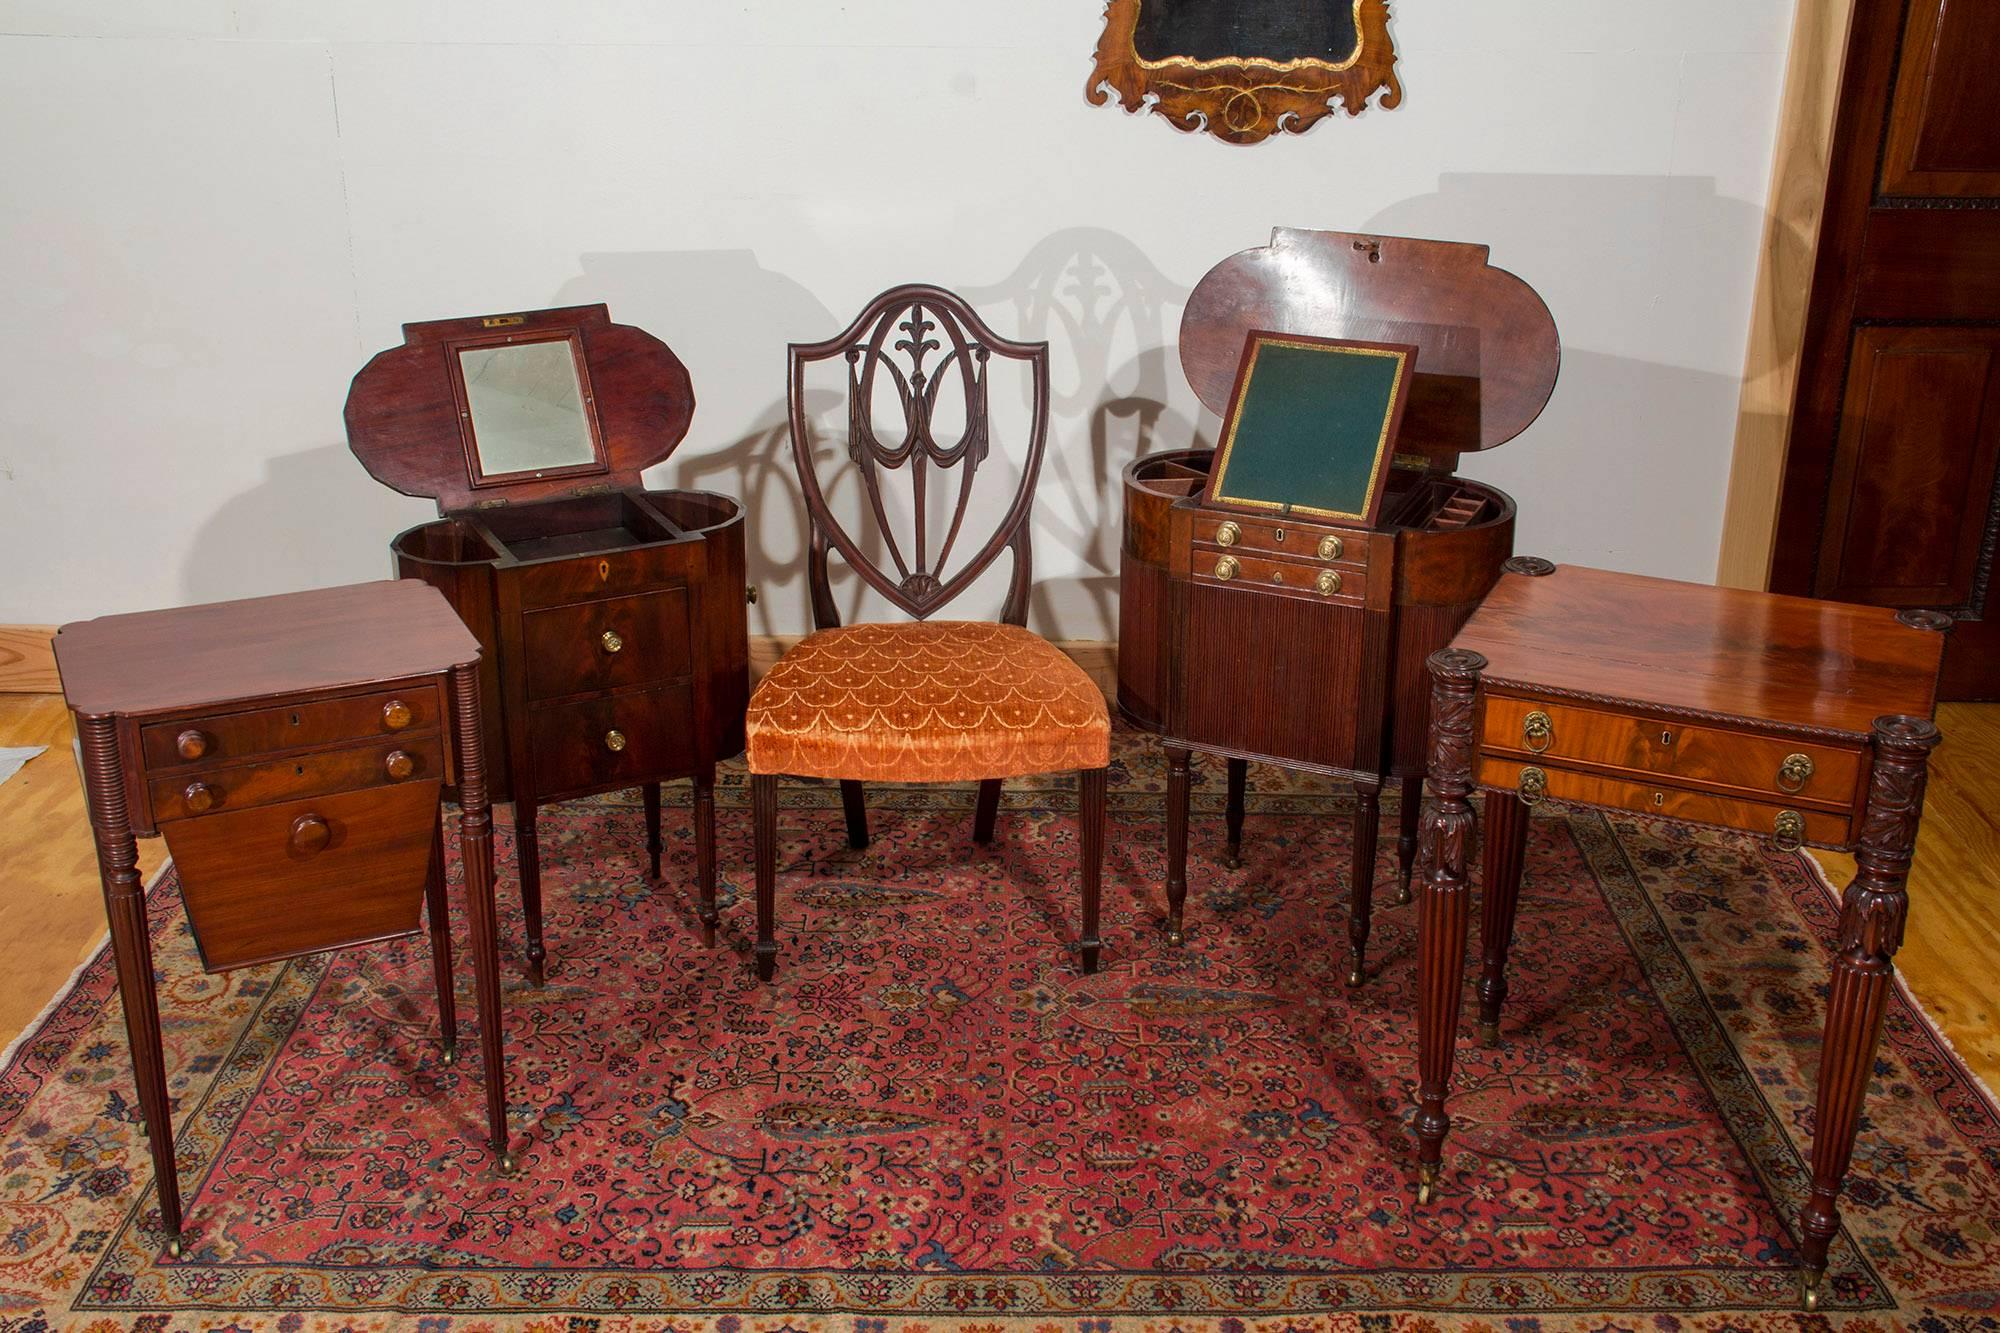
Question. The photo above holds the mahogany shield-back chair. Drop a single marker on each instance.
(925, 700)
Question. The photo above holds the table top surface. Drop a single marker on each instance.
(295, 643)
(1794, 661)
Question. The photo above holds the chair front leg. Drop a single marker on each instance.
(856, 806)
(764, 833)
(987, 810)
(1090, 814)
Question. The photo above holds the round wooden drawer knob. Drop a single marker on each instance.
(399, 765)
(396, 715)
(192, 744)
(611, 641)
(201, 797)
(310, 835)
(614, 740)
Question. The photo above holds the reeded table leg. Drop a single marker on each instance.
(1177, 821)
(1361, 897)
(649, 795)
(528, 852)
(475, 847)
(132, 949)
(439, 912)
(1506, 841)
(764, 833)
(1239, 778)
(1090, 818)
(1406, 834)
(1441, 907)
(704, 851)
(1872, 913)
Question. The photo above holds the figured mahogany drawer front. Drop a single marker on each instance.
(606, 644)
(635, 736)
(1762, 767)
(212, 791)
(295, 878)
(1281, 536)
(612, 574)
(1312, 580)
(1786, 824)
(234, 737)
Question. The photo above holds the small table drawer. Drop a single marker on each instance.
(1700, 807)
(1342, 585)
(620, 739)
(234, 737)
(606, 644)
(1764, 767)
(190, 795)
(1282, 536)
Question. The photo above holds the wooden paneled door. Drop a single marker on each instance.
(1889, 493)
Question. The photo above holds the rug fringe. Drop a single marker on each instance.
(1916, 1004)
(36, 1023)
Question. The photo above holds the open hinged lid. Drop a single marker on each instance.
(502, 408)
(1487, 351)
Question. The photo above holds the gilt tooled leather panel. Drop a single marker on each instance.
(931, 701)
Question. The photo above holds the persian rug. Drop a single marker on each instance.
(932, 1122)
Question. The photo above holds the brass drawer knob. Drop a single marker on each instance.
(1789, 830)
(1228, 534)
(1795, 772)
(614, 740)
(201, 797)
(1328, 582)
(1225, 568)
(611, 641)
(1538, 731)
(1330, 548)
(310, 835)
(191, 744)
(1534, 786)
(399, 765)
(396, 715)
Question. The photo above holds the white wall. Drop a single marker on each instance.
(212, 213)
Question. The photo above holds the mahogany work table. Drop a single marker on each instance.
(292, 750)
(1804, 721)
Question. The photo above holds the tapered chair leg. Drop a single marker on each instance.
(1177, 818)
(852, 801)
(1239, 776)
(704, 852)
(1361, 899)
(764, 833)
(650, 794)
(527, 851)
(1090, 815)
(987, 810)
(439, 912)
(1406, 835)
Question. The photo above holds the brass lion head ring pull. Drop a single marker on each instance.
(1538, 731)
(611, 641)
(1795, 772)
(614, 740)
(1534, 786)
(1789, 830)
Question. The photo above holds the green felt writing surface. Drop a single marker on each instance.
(1310, 427)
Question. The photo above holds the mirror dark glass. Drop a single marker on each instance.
(1275, 30)
(527, 408)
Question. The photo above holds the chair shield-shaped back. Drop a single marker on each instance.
(925, 342)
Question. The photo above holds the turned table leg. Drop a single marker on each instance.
(649, 796)
(1090, 822)
(704, 852)
(1239, 779)
(1441, 905)
(1361, 897)
(1406, 834)
(1177, 822)
(475, 848)
(438, 910)
(132, 949)
(764, 834)
(1871, 928)
(1506, 843)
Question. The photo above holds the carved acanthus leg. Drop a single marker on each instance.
(649, 793)
(1361, 897)
(132, 949)
(986, 811)
(704, 852)
(475, 850)
(1871, 929)
(1506, 841)
(1239, 777)
(1090, 818)
(764, 833)
(528, 852)
(856, 807)
(1441, 908)
(1412, 808)
(439, 911)
(1177, 822)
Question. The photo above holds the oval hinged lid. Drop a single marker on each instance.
(497, 409)
(1487, 351)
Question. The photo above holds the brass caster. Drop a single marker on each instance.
(1233, 860)
(508, 1165)
(450, 1054)
(1489, 1033)
(1403, 895)
(175, 1247)
(1356, 976)
(1427, 1181)
(1175, 935)
(1810, 1285)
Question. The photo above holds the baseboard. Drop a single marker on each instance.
(1098, 659)
(28, 660)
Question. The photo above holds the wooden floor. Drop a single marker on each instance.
(54, 912)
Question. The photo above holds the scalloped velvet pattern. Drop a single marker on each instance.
(932, 1123)
(926, 701)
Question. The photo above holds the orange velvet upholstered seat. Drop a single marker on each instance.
(927, 701)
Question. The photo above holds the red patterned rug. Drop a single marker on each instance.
(932, 1122)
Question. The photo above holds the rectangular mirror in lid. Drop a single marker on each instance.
(527, 409)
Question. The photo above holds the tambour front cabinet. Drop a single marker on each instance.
(612, 616)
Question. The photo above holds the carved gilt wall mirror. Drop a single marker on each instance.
(1245, 69)
(525, 408)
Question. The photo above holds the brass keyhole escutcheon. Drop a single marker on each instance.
(611, 641)
(1789, 830)
(1330, 548)
(1666, 738)
(1795, 772)
(1277, 576)
(395, 715)
(1227, 534)
(1538, 731)
(604, 571)
(1277, 534)
(310, 835)
(1225, 568)
(1534, 786)
(191, 744)
(399, 765)
(1328, 582)
(1659, 799)
(200, 797)
(614, 740)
